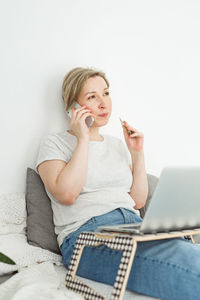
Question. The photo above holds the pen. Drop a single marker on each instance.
(129, 131)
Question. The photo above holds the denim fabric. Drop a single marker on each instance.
(167, 269)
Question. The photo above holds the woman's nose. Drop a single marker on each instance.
(101, 101)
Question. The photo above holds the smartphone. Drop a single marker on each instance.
(89, 120)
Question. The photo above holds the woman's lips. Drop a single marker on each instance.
(103, 115)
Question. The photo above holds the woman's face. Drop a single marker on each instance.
(95, 95)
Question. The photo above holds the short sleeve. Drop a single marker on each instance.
(49, 149)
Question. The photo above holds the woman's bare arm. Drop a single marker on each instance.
(73, 176)
(66, 180)
(139, 188)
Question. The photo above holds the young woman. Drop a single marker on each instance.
(94, 180)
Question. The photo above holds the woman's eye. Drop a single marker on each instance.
(107, 93)
(91, 96)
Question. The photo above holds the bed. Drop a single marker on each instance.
(38, 272)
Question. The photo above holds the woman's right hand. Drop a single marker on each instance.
(78, 125)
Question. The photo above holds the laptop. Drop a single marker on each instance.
(175, 204)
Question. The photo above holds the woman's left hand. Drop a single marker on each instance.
(135, 140)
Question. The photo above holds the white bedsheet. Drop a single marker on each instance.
(39, 281)
(46, 281)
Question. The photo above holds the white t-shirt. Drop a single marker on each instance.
(108, 181)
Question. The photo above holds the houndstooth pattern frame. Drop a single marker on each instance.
(124, 243)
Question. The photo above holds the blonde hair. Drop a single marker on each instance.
(74, 81)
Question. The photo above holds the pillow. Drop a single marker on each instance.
(40, 225)
(12, 213)
(152, 183)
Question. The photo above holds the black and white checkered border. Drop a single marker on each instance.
(124, 243)
(78, 286)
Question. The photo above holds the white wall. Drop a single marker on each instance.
(149, 50)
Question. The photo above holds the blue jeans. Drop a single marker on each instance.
(167, 269)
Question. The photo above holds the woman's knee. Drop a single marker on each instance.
(178, 250)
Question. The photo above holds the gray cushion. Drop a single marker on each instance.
(152, 183)
(40, 225)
